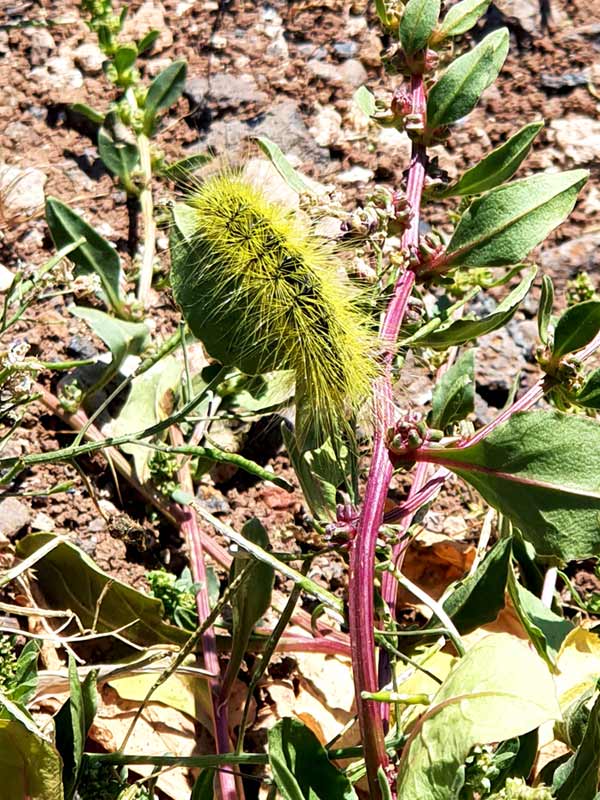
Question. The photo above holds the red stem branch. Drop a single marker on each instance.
(362, 557)
(191, 532)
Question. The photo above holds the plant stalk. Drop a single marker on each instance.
(362, 556)
(147, 208)
(191, 533)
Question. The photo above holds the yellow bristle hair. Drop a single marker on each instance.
(263, 292)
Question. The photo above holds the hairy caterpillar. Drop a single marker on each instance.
(263, 292)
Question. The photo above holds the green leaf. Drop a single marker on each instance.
(88, 113)
(460, 331)
(500, 689)
(459, 88)
(416, 26)
(121, 337)
(544, 314)
(70, 580)
(273, 152)
(147, 41)
(118, 149)
(253, 597)
(454, 394)
(25, 679)
(148, 400)
(575, 719)
(365, 100)
(124, 57)
(589, 396)
(545, 628)
(498, 166)
(577, 779)
(382, 13)
(515, 758)
(204, 786)
(251, 600)
(320, 472)
(95, 255)
(164, 90)
(30, 767)
(300, 765)
(576, 328)
(477, 600)
(461, 17)
(180, 171)
(504, 225)
(263, 393)
(540, 469)
(384, 785)
(73, 722)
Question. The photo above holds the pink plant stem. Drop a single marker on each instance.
(191, 534)
(389, 586)
(362, 556)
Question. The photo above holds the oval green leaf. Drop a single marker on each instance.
(30, 766)
(544, 314)
(500, 689)
(541, 470)
(503, 226)
(454, 394)
(498, 166)
(589, 396)
(576, 328)
(95, 255)
(365, 100)
(460, 331)
(121, 337)
(300, 765)
(164, 90)
(457, 91)
(273, 152)
(118, 153)
(461, 17)
(417, 24)
(69, 579)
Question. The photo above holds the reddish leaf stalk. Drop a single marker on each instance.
(362, 557)
(191, 533)
(389, 585)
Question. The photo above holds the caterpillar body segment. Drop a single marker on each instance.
(264, 293)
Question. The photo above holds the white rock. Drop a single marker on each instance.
(218, 42)
(21, 189)
(6, 278)
(327, 127)
(578, 137)
(42, 522)
(58, 73)
(351, 72)
(150, 16)
(183, 6)
(526, 11)
(278, 48)
(355, 25)
(89, 58)
(592, 201)
(395, 142)
(355, 175)
(42, 44)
